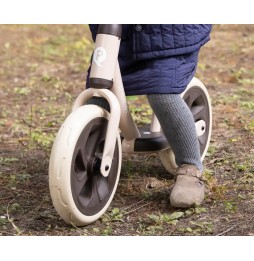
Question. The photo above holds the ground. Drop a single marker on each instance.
(43, 68)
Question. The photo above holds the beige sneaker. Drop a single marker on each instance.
(189, 189)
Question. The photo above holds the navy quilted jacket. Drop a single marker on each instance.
(159, 58)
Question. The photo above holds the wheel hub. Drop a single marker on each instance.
(200, 127)
(94, 165)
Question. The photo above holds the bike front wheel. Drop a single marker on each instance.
(80, 193)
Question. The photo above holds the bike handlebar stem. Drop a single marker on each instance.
(113, 29)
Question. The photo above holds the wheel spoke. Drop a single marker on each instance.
(93, 142)
(80, 181)
(197, 111)
(192, 97)
(202, 139)
(102, 187)
(187, 100)
(79, 171)
(80, 163)
(85, 195)
(84, 142)
(81, 147)
(94, 195)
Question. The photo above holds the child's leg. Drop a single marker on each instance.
(178, 126)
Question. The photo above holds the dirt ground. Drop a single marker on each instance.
(43, 68)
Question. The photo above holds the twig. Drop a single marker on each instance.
(7, 233)
(30, 127)
(28, 124)
(38, 207)
(136, 209)
(132, 205)
(6, 198)
(226, 231)
(8, 217)
(170, 231)
(83, 231)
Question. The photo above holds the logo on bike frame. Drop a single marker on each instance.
(99, 56)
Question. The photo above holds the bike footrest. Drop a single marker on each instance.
(150, 141)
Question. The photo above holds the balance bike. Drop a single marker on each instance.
(86, 156)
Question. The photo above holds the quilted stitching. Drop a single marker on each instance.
(165, 40)
(159, 58)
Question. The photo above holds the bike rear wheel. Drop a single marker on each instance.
(198, 100)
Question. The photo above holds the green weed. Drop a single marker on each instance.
(217, 190)
(211, 150)
(247, 105)
(166, 218)
(141, 114)
(3, 220)
(115, 215)
(244, 92)
(107, 231)
(8, 161)
(42, 138)
(22, 90)
(230, 207)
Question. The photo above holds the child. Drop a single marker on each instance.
(159, 60)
